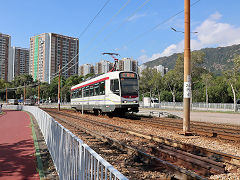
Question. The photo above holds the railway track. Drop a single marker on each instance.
(198, 128)
(151, 161)
(164, 150)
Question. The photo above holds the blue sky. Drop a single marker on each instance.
(120, 23)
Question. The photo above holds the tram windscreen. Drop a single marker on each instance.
(129, 84)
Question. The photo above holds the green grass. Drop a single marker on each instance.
(37, 150)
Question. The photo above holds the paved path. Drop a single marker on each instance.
(17, 152)
(214, 117)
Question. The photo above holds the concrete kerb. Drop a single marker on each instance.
(37, 149)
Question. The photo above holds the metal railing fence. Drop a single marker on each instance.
(72, 158)
(194, 106)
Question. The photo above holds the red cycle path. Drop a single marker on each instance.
(17, 152)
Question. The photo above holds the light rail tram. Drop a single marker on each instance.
(111, 92)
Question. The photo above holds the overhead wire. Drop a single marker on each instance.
(152, 29)
(81, 34)
(19, 87)
(156, 26)
(94, 18)
(107, 24)
(96, 35)
(126, 20)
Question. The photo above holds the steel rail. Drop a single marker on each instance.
(215, 167)
(200, 151)
(145, 157)
(224, 133)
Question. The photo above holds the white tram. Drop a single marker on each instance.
(111, 92)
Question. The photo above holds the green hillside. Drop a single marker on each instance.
(216, 59)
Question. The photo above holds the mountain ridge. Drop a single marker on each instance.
(216, 59)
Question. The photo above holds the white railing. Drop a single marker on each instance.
(72, 158)
(194, 106)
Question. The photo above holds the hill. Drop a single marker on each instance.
(216, 59)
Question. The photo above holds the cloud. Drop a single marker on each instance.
(136, 16)
(211, 33)
(142, 59)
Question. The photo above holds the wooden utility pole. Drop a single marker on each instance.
(6, 96)
(59, 89)
(24, 93)
(38, 92)
(187, 69)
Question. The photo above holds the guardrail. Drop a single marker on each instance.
(72, 158)
(194, 106)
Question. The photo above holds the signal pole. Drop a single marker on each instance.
(6, 96)
(59, 89)
(38, 92)
(24, 93)
(187, 69)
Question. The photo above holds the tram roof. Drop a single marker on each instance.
(95, 78)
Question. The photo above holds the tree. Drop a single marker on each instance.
(218, 91)
(44, 90)
(177, 74)
(89, 75)
(206, 78)
(172, 80)
(22, 79)
(71, 81)
(157, 84)
(53, 88)
(147, 81)
(231, 77)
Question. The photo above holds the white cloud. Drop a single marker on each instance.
(136, 16)
(211, 33)
(143, 59)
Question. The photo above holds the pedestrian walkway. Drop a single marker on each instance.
(17, 152)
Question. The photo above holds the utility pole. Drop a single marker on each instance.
(6, 96)
(82, 101)
(59, 89)
(24, 93)
(38, 92)
(187, 69)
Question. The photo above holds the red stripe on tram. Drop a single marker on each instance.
(100, 80)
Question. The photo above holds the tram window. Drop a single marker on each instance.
(74, 94)
(80, 93)
(96, 89)
(91, 90)
(87, 91)
(83, 89)
(102, 88)
(114, 86)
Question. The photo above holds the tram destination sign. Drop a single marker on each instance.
(128, 75)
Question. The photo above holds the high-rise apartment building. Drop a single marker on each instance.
(127, 64)
(48, 51)
(5, 57)
(98, 68)
(103, 67)
(20, 59)
(86, 69)
(160, 68)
